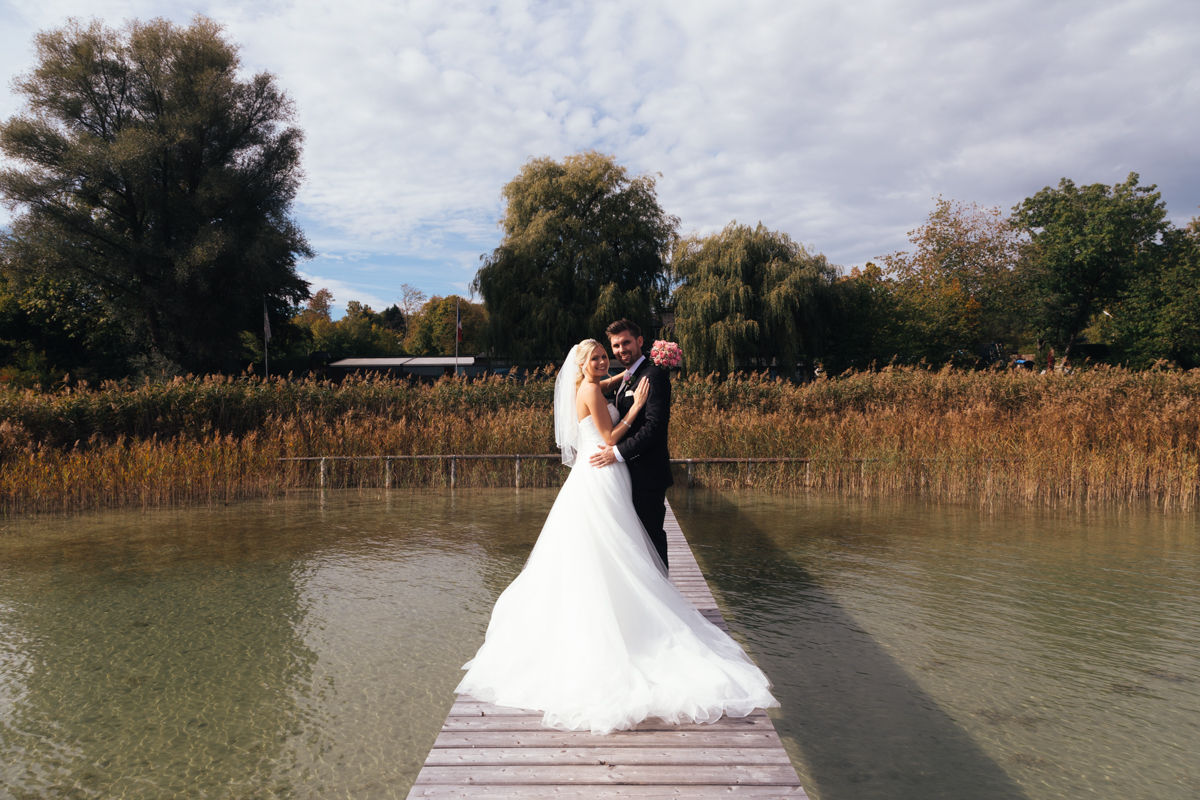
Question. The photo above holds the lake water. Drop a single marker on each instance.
(922, 651)
(308, 649)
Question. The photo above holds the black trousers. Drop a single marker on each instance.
(651, 508)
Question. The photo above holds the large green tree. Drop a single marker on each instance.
(154, 180)
(867, 328)
(1158, 317)
(584, 243)
(750, 297)
(433, 331)
(1088, 244)
(49, 329)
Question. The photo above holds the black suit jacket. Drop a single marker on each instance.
(644, 448)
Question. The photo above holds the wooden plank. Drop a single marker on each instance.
(603, 756)
(568, 774)
(491, 712)
(534, 722)
(476, 708)
(490, 751)
(615, 792)
(548, 737)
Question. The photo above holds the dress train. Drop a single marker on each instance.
(594, 634)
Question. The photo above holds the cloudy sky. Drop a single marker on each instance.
(837, 122)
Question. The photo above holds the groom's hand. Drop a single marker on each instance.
(603, 457)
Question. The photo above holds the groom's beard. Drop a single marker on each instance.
(626, 360)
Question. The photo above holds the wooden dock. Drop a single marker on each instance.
(488, 751)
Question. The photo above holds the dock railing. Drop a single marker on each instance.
(454, 459)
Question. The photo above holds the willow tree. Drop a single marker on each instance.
(750, 297)
(584, 244)
(154, 180)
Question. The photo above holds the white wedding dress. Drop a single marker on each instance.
(593, 633)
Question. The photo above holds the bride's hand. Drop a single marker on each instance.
(640, 394)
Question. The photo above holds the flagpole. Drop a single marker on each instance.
(457, 330)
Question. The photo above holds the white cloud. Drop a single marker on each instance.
(836, 122)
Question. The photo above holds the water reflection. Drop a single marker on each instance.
(260, 650)
(309, 648)
(108, 666)
(931, 652)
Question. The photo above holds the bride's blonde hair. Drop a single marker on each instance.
(582, 356)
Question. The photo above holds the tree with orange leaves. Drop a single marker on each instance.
(960, 286)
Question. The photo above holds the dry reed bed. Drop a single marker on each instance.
(986, 438)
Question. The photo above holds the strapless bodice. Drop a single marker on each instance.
(589, 436)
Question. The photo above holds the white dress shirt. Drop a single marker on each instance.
(632, 369)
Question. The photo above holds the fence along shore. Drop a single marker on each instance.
(986, 439)
(454, 459)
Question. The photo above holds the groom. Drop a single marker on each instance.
(644, 448)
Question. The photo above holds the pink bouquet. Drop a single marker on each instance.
(666, 354)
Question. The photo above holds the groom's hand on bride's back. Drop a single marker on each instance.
(603, 457)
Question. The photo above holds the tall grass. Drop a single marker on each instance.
(1101, 436)
(1098, 437)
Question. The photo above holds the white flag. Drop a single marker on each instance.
(266, 323)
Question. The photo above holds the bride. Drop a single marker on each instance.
(592, 632)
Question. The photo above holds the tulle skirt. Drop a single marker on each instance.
(593, 634)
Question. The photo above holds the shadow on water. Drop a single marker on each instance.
(855, 723)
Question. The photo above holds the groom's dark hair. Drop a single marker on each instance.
(622, 325)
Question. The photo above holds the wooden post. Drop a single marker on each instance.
(517, 473)
(387, 473)
(322, 473)
(453, 470)
(691, 478)
(807, 474)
